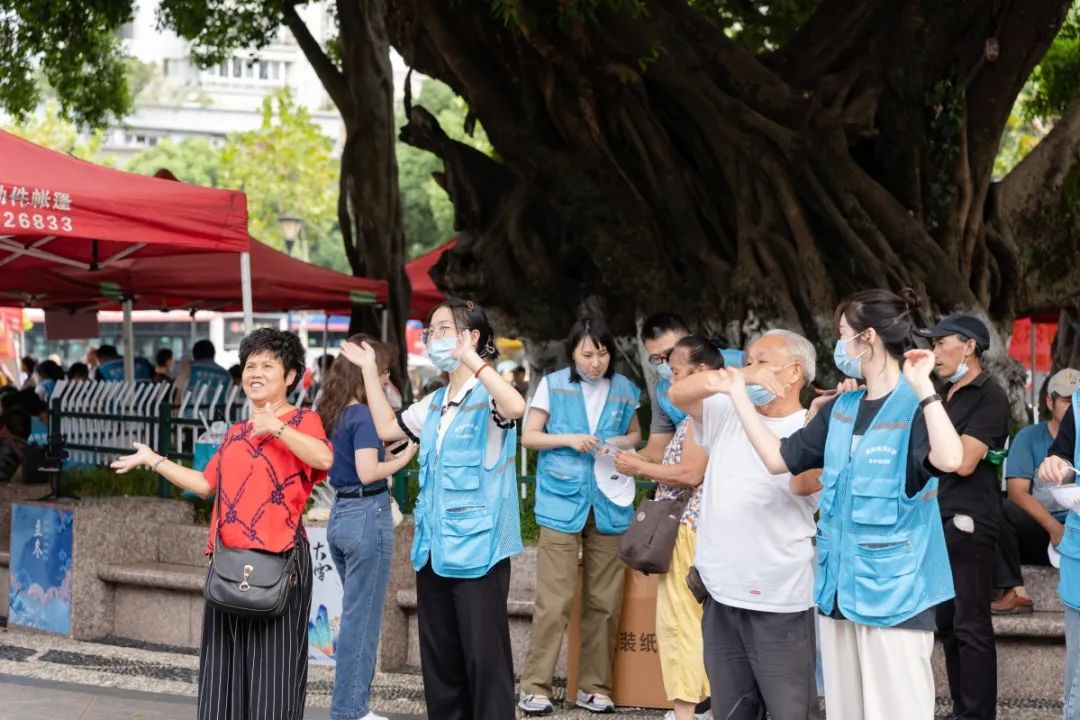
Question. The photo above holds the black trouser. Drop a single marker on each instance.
(465, 645)
(1021, 541)
(965, 625)
(758, 661)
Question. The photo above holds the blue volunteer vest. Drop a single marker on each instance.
(881, 555)
(565, 487)
(467, 513)
(666, 406)
(1069, 579)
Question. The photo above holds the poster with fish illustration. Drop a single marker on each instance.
(325, 619)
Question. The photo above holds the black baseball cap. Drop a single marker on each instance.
(966, 325)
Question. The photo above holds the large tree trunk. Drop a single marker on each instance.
(649, 160)
(369, 203)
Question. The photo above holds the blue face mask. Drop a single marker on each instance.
(664, 371)
(759, 395)
(850, 366)
(961, 371)
(441, 352)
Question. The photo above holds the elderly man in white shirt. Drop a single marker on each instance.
(754, 549)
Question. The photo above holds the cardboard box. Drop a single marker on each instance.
(637, 678)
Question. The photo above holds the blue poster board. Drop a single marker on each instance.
(39, 585)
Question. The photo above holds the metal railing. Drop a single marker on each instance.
(91, 422)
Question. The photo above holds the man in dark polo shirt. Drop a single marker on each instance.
(970, 501)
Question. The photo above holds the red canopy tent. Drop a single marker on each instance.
(425, 295)
(208, 282)
(59, 210)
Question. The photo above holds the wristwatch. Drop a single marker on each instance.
(929, 400)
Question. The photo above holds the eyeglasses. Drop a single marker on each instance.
(437, 333)
(661, 358)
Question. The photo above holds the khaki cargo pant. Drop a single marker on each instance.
(601, 593)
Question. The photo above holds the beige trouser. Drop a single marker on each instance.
(601, 604)
(879, 673)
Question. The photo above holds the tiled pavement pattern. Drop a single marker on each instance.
(53, 678)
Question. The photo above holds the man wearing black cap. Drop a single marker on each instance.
(970, 501)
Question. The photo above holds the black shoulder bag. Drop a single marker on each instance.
(251, 583)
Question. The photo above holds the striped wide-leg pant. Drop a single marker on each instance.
(257, 669)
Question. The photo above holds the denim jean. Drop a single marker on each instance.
(1072, 665)
(360, 533)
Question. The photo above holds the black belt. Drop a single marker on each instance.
(377, 488)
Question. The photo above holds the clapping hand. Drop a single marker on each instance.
(264, 421)
(724, 380)
(918, 364)
(362, 355)
(143, 455)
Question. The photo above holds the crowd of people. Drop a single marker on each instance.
(859, 523)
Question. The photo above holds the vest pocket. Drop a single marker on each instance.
(558, 486)
(466, 538)
(461, 469)
(885, 577)
(821, 572)
(1069, 580)
(875, 500)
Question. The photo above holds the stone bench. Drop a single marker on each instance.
(156, 602)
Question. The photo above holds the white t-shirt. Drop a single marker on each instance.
(595, 394)
(412, 420)
(754, 548)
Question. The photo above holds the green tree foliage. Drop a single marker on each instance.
(193, 160)
(1055, 83)
(287, 167)
(74, 48)
(48, 128)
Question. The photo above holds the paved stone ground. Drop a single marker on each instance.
(45, 677)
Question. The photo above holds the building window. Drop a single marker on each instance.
(264, 70)
(275, 70)
(237, 68)
(223, 69)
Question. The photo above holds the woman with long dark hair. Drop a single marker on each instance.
(361, 530)
(466, 516)
(882, 565)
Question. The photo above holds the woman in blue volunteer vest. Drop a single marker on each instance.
(466, 516)
(882, 566)
(1060, 467)
(576, 412)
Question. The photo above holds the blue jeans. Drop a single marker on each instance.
(361, 538)
(1072, 664)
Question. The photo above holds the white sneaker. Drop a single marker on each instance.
(534, 704)
(372, 716)
(670, 715)
(595, 702)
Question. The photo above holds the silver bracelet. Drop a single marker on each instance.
(154, 467)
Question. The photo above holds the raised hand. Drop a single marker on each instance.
(143, 455)
(918, 364)
(264, 421)
(764, 376)
(723, 381)
(362, 355)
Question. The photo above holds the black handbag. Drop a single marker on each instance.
(650, 540)
(251, 583)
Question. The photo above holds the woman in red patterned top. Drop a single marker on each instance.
(255, 669)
